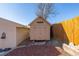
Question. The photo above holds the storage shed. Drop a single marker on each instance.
(39, 29)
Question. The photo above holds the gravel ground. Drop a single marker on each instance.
(48, 49)
(36, 50)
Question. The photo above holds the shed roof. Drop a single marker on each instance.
(40, 18)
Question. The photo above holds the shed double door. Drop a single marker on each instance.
(39, 33)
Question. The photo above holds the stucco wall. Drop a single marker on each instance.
(10, 31)
(21, 34)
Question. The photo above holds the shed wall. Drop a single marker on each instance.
(39, 31)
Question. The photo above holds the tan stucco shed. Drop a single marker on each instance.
(39, 29)
(11, 33)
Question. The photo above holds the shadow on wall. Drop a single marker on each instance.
(51, 33)
(58, 33)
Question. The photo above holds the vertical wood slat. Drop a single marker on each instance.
(67, 30)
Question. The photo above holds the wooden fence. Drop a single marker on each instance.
(67, 31)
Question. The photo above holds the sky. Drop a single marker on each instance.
(24, 13)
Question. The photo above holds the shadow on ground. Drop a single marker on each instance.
(59, 35)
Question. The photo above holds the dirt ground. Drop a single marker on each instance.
(50, 48)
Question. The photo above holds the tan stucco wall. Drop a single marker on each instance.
(15, 33)
(21, 34)
(10, 31)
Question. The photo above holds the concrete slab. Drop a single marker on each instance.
(71, 50)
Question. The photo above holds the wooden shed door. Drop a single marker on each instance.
(38, 33)
(41, 33)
